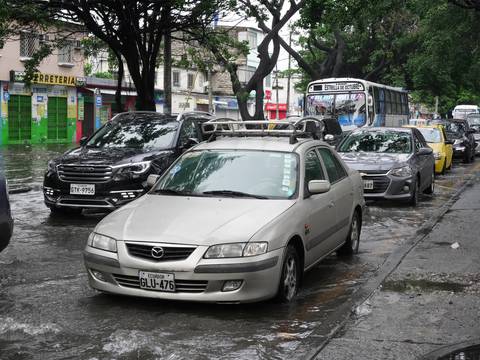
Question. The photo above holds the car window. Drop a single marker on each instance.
(335, 170)
(188, 131)
(378, 140)
(431, 135)
(313, 167)
(418, 143)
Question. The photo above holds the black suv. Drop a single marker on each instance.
(474, 122)
(460, 132)
(111, 167)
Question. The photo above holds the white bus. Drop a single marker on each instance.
(461, 111)
(357, 102)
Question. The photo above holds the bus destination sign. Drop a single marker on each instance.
(339, 86)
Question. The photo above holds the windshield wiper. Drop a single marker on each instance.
(234, 194)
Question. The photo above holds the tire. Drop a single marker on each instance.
(444, 169)
(467, 157)
(353, 238)
(65, 211)
(431, 188)
(450, 166)
(290, 277)
(413, 201)
(473, 155)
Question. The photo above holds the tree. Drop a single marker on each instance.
(133, 30)
(228, 51)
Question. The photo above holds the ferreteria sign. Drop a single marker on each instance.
(48, 79)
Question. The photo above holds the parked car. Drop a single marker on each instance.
(235, 219)
(395, 163)
(474, 122)
(111, 167)
(436, 138)
(6, 221)
(459, 131)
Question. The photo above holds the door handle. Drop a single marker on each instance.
(331, 204)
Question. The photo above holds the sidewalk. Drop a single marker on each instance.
(432, 299)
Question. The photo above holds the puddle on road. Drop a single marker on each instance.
(411, 285)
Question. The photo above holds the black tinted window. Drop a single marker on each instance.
(313, 167)
(335, 170)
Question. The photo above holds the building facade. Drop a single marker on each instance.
(46, 111)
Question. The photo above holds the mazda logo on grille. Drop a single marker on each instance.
(157, 252)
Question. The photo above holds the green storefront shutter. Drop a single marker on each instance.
(57, 118)
(19, 118)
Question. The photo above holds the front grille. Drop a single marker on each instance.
(380, 184)
(374, 172)
(171, 253)
(188, 286)
(84, 173)
(84, 202)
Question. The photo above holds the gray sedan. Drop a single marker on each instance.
(395, 163)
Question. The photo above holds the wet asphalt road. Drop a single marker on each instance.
(47, 310)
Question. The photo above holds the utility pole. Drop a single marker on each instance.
(288, 79)
(277, 115)
(210, 92)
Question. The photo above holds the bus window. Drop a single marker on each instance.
(388, 102)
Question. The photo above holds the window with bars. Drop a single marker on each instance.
(191, 81)
(29, 44)
(176, 78)
(65, 53)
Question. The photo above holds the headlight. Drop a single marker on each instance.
(437, 155)
(403, 171)
(135, 168)
(102, 242)
(236, 250)
(51, 166)
(458, 141)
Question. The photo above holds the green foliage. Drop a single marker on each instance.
(103, 75)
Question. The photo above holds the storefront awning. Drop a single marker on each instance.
(112, 92)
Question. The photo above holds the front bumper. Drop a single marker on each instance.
(108, 195)
(196, 279)
(388, 187)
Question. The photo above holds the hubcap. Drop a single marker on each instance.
(290, 275)
(354, 235)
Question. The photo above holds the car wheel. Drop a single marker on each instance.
(431, 188)
(290, 278)
(64, 211)
(467, 157)
(413, 201)
(444, 169)
(473, 155)
(353, 239)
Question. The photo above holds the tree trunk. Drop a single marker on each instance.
(118, 91)
(167, 73)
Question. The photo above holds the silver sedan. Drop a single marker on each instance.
(232, 220)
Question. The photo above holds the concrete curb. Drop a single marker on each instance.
(19, 190)
(388, 267)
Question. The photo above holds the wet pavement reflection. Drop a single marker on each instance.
(48, 311)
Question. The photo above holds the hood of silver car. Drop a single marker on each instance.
(191, 220)
(374, 161)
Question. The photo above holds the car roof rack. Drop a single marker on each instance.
(306, 127)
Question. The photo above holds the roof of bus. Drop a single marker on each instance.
(466, 107)
(365, 82)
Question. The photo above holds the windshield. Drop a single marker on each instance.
(142, 131)
(431, 135)
(258, 173)
(378, 141)
(454, 128)
(350, 108)
(474, 120)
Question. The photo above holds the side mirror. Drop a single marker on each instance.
(190, 143)
(370, 100)
(425, 151)
(318, 186)
(83, 140)
(151, 180)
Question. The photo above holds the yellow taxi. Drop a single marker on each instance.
(442, 147)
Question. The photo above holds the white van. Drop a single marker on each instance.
(461, 111)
